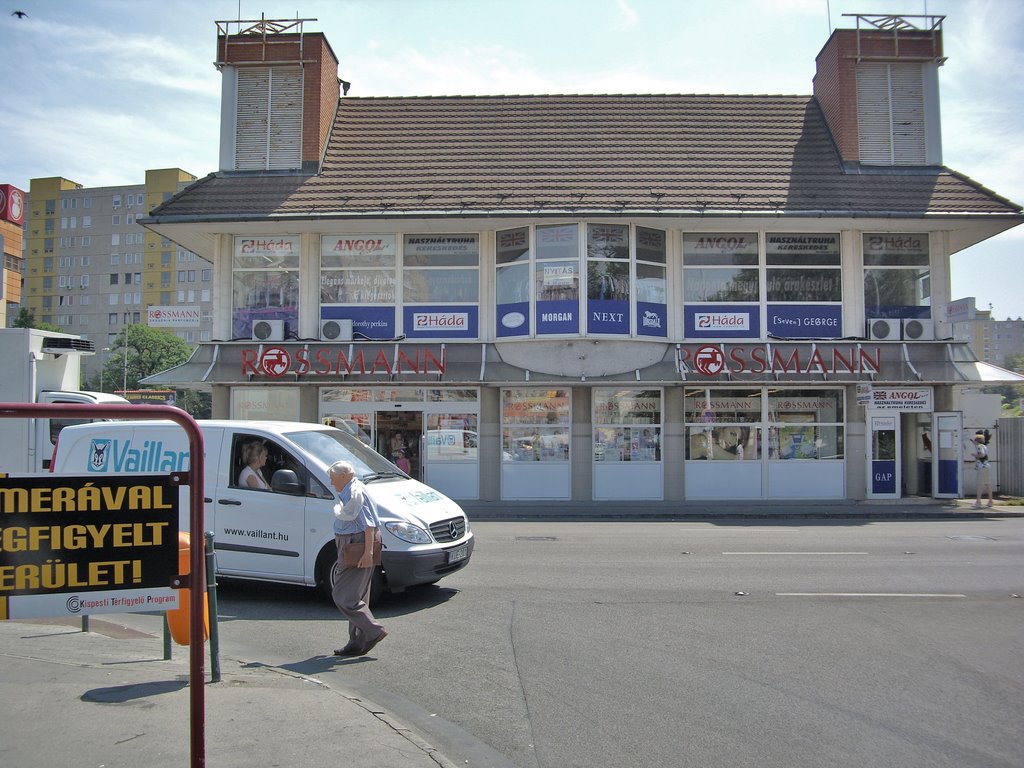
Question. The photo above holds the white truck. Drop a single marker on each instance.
(284, 533)
(40, 367)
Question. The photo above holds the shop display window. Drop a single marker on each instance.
(627, 424)
(806, 424)
(430, 289)
(897, 276)
(720, 267)
(773, 423)
(803, 268)
(440, 269)
(452, 437)
(264, 282)
(535, 424)
(255, 403)
(538, 273)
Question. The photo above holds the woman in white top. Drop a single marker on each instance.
(255, 456)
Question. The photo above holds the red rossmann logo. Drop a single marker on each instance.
(709, 360)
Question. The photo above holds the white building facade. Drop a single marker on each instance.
(599, 299)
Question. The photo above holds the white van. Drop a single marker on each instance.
(284, 534)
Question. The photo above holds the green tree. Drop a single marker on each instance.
(140, 351)
(1011, 393)
(26, 319)
(196, 403)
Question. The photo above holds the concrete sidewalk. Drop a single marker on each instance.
(107, 698)
(819, 510)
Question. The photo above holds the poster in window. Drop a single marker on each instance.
(367, 322)
(555, 317)
(805, 321)
(514, 319)
(443, 321)
(651, 319)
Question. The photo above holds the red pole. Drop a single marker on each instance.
(197, 561)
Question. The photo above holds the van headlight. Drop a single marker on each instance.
(408, 532)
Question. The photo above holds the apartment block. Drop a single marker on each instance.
(91, 269)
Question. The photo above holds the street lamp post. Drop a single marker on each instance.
(124, 384)
(103, 366)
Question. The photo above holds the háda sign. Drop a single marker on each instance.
(79, 545)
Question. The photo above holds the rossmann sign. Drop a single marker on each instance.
(715, 360)
(278, 361)
(12, 204)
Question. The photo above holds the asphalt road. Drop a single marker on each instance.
(691, 644)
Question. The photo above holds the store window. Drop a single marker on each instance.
(557, 279)
(623, 275)
(535, 425)
(805, 424)
(512, 282)
(357, 282)
(452, 437)
(651, 283)
(804, 285)
(441, 286)
(608, 278)
(627, 424)
(897, 276)
(265, 283)
(721, 285)
(258, 403)
(723, 424)
(439, 276)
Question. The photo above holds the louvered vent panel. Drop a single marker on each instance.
(251, 119)
(285, 118)
(269, 119)
(891, 113)
(874, 121)
(908, 133)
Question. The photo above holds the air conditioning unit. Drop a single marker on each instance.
(336, 330)
(884, 329)
(268, 330)
(915, 329)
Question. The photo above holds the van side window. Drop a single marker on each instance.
(318, 490)
(277, 458)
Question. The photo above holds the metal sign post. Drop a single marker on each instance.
(197, 555)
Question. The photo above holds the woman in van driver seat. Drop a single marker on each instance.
(255, 456)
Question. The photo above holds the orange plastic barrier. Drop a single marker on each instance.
(178, 618)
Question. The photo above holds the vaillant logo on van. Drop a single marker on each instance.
(108, 455)
(99, 450)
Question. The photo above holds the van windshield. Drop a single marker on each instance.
(331, 445)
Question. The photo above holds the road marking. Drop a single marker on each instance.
(865, 594)
(795, 553)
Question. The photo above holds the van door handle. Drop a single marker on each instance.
(232, 502)
(208, 500)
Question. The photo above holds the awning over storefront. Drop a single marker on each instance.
(240, 363)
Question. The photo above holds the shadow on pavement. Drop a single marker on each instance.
(122, 694)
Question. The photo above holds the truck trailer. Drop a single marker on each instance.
(40, 367)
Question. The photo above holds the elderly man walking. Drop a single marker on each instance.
(355, 520)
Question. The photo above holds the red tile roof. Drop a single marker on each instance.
(580, 155)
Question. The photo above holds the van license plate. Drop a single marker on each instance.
(459, 553)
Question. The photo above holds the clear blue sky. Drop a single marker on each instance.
(98, 91)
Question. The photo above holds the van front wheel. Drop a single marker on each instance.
(327, 574)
